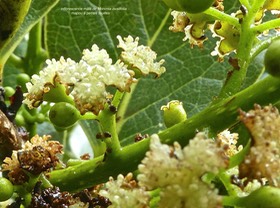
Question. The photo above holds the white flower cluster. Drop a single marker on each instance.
(124, 192)
(176, 172)
(86, 81)
(140, 57)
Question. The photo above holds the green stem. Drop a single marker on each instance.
(236, 77)
(30, 119)
(35, 38)
(247, 36)
(217, 14)
(257, 4)
(45, 181)
(107, 119)
(232, 201)
(123, 107)
(225, 178)
(271, 24)
(245, 3)
(261, 46)
(67, 149)
(16, 61)
(88, 116)
(35, 55)
(217, 117)
(117, 98)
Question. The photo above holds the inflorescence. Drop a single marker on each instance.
(86, 81)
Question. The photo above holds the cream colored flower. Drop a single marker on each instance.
(125, 193)
(85, 82)
(140, 57)
(180, 21)
(90, 95)
(97, 57)
(177, 172)
(229, 141)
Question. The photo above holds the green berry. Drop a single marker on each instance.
(20, 120)
(6, 189)
(190, 6)
(272, 59)
(64, 115)
(22, 79)
(9, 91)
(173, 113)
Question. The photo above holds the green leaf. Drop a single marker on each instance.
(37, 10)
(193, 76)
(12, 13)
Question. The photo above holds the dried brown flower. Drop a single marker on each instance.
(37, 156)
(36, 160)
(16, 173)
(50, 198)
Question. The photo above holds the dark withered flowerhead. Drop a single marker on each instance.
(36, 156)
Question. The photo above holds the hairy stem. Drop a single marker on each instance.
(217, 117)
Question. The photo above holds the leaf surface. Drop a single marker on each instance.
(36, 11)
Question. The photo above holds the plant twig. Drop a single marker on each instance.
(217, 117)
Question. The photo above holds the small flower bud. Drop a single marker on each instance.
(173, 113)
